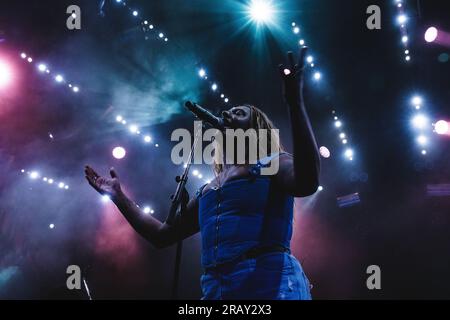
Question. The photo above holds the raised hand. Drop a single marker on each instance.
(292, 76)
(103, 185)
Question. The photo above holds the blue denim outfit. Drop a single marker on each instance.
(241, 215)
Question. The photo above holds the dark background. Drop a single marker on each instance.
(365, 79)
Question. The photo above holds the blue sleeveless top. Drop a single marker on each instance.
(243, 214)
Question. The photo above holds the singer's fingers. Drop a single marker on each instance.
(290, 56)
(90, 172)
(302, 58)
(113, 173)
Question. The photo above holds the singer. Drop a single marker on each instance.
(245, 219)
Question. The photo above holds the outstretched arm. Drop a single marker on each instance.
(156, 232)
(300, 172)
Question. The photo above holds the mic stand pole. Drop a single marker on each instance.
(179, 202)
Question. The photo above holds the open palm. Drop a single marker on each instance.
(103, 185)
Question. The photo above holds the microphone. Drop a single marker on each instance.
(205, 115)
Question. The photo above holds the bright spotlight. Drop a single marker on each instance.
(301, 42)
(349, 153)
(135, 13)
(50, 181)
(424, 152)
(226, 100)
(338, 124)
(416, 100)
(422, 140)
(214, 87)
(161, 35)
(119, 118)
(202, 73)
(119, 153)
(5, 74)
(30, 60)
(105, 198)
(146, 210)
(61, 185)
(51, 226)
(34, 175)
(76, 89)
(261, 11)
(408, 58)
(420, 121)
(317, 76)
(23, 55)
(401, 19)
(320, 188)
(59, 78)
(42, 67)
(441, 127)
(133, 128)
(344, 141)
(342, 135)
(195, 172)
(147, 139)
(296, 30)
(405, 39)
(309, 59)
(431, 34)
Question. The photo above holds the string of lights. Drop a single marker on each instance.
(44, 69)
(402, 20)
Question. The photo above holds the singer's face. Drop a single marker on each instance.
(238, 117)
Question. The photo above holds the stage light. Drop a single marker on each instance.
(406, 51)
(214, 87)
(338, 124)
(135, 13)
(441, 127)
(261, 11)
(145, 22)
(222, 96)
(119, 153)
(407, 58)
(202, 73)
(59, 78)
(199, 176)
(401, 19)
(195, 172)
(50, 181)
(301, 42)
(324, 152)
(405, 39)
(119, 118)
(42, 67)
(34, 175)
(66, 187)
(151, 26)
(156, 145)
(420, 121)
(105, 198)
(133, 128)
(320, 188)
(146, 210)
(51, 226)
(147, 139)
(344, 141)
(226, 100)
(161, 35)
(124, 122)
(23, 55)
(75, 89)
(165, 39)
(30, 60)
(296, 30)
(61, 185)
(317, 76)
(5, 75)
(349, 153)
(424, 152)
(416, 100)
(309, 59)
(431, 34)
(422, 140)
(342, 135)
(287, 72)
(23, 170)
(118, 1)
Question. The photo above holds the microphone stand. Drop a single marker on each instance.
(179, 202)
